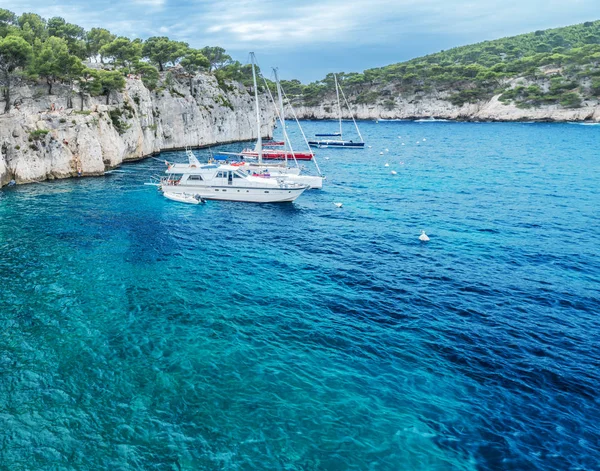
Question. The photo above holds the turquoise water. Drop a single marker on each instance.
(140, 333)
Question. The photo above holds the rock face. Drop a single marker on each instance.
(41, 139)
(425, 108)
(436, 106)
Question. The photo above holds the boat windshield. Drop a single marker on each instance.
(175, 177)
(239, 174)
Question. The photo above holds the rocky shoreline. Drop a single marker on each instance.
(41, 139)
(416, 108)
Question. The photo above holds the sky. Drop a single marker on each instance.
(306, 39)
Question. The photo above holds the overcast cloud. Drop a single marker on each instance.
(307, 39)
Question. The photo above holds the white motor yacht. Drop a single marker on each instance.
(226, 182)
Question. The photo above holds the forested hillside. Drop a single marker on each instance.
(559, 66)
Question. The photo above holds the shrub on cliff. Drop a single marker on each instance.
(570, 100)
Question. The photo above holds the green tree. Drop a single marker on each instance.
(73, 68)
(14, 54)
(149, 74)
(52, 61)
(161, 50)
(89, 83)
(73, 35)
(192, 62)
(216, 56)
(97, 38)
(33, 27)
(122, 51)
(570, 100)
(111, 81)
(8, 20)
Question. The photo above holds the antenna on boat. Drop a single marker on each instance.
(259, 138)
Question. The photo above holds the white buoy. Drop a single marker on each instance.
(386, 165)
(370, 147)
(387, 150)
(394, 172)
(424, 139)
(418, 142)
(326, 158)
(381, 153)
(403, 143)
(338, 205)
(423, 237)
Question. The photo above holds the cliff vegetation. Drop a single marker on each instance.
(558, 66)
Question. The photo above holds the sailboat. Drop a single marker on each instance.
(339, 142)
(259, 152)
(282, 170)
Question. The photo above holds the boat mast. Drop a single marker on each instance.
(281, 116)
(259, 139)
(337, 92)
(352, 115)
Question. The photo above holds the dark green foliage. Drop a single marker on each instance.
(161, 51)
(216, 56)
(477, 72)
(111, 81)
(224, 102)
(570, 100)
(15, 52)
(38, 134)
(73, 35)
(122, 51)
(367, 97)
(96, 39)
(115, 117)
(237, 72)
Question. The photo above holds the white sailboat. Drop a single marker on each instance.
(339, 143)
(272, 170)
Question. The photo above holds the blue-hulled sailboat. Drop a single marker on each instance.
(339, 142)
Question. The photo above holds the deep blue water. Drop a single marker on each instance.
(140, 333)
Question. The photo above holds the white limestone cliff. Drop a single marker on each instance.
(41, 139)
(434, 107)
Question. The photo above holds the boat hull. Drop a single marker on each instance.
(277, 155)
(181, 197)
(249, 195)
(336, 144)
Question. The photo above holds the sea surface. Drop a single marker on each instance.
(138, 333)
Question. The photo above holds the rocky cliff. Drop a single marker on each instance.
(437, 105)
(432, 107)
(42, 139)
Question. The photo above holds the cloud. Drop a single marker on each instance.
(320, 34)
(152, 3)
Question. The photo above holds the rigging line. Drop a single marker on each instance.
(289, 102)
(352, 115)
(285, 136)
